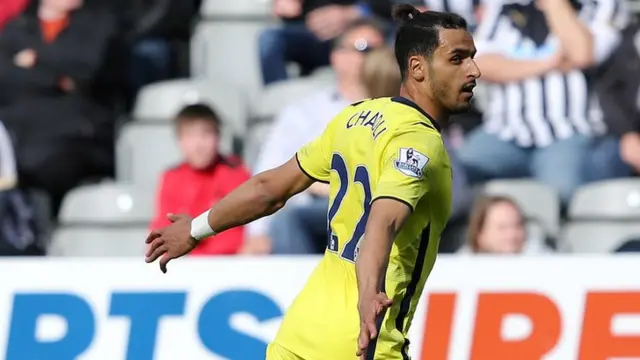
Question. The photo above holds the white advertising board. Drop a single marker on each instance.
(555, 308)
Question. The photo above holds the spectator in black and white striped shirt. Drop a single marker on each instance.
(468, 9)
(618, 89)
(536, 55)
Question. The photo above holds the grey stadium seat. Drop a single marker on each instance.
(276, 97)
(236, 8)
(144, 151)
(160, 102)
(597, 237)
(254, 140)
(107, 219)
(539, 202)
(603, 216)
(224, 44)
(617, 199)
(324, 73)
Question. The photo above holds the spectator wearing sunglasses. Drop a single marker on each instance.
(296, 125)
(307, 31)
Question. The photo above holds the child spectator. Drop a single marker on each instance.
(202, 179)
(497, 226)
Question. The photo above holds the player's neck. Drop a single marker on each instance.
(437, 113)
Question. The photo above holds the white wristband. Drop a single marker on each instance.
(200, 227)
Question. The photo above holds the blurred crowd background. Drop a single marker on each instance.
(115, 113)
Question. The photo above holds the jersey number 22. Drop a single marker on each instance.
(349, 252)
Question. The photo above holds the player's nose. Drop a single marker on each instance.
(474, 70)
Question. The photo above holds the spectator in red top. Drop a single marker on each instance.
(10, 9)
(202, 179)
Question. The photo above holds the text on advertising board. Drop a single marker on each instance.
(597, 340)
(144, 311)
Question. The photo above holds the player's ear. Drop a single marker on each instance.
(416, 68)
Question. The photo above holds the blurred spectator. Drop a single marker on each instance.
(48, 62)
(157, 29)
(9, 9)
(535, 55)
(380, 73)
(470, 10)
(17, 219)
(497, 226)
(295, 126)
(308, 27)
(8, 168)
(632, 246)
(618, 88)
(202, 179)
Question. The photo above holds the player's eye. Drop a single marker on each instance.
(456, 59)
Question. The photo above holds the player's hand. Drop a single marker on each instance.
(369, 308)
(171, 242)
(26, 58)
(630, 149)
(287, 8)
(329, 21)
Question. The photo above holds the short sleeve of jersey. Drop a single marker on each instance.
(313, 159)
(406, 160)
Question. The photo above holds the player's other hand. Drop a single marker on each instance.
(170, 242)
(369, 308)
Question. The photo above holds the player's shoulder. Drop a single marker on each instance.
(355, 109)
(370, 103)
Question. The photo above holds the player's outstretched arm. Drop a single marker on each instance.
(259, 196)
(385, 220)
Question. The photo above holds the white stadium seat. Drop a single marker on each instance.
(107, 219)
(597, 237)
(227, 50)
(237, 8)
(144, 151)
(98, 241)
(539, 202)
(613, 199)
(253, 143)
(276, 97)
(160, 102)
(108, 203)
(603, 216)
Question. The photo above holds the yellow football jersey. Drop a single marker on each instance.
(379, 148)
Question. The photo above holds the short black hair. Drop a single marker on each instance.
(198, 112)
(419, 32)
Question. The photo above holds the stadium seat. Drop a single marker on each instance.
(274, 98)
(107, 219)
(324, 73)
(617, 199)
(253, 143)
(597, 237)
(144, 151)
(236, 8)
(603, 216)
(540, 203)
(160, 102)
(226, 48)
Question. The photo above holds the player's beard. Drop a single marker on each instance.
(438, 89)
(441, 89)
